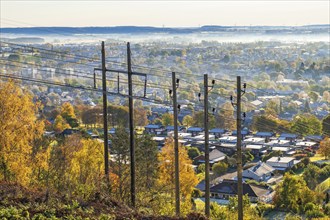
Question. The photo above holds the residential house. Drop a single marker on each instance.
(171, 128)
(217, 132)
(227, 148)
(69, 131)
(154, 129)
(281, 163)
(228, 139)
(228, 188)
(266, 135)
(244, 132)
(260, 172)
(316, 138)
(288, 136)
(306, 144)
(195, 131)
(254, 140)
(215, 156)
(256, 150)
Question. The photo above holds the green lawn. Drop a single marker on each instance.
(322, 187)
(317, 157)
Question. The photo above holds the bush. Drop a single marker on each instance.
(309, 206)
(263, 208)
(314, 214)
(292, 217)
(327, 209)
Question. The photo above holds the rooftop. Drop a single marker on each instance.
(280, 159)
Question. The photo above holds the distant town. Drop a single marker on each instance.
(285, 126)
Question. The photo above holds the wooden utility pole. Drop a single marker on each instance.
(239, 150)
(131, 124)
(207, 151)
(176, 146)
(105, 117)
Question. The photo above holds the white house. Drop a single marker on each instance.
(281, 163)
(260, 172)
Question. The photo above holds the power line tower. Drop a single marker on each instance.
(175, 85)
(131, 123)
(239, 151)
(239, 94)
(207, 149)
(105, 116)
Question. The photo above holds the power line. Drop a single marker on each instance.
(80, 87)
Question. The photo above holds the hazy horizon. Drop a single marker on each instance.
(162, 13)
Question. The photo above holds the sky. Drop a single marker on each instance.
(162, 13)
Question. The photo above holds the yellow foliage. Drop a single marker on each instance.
(19, 128)
(188, 178)
(60, 124)
(86, 166)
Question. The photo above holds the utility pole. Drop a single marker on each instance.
(207, 150)
(131, 124)
(105, 117)
(176, 145)
(239, 151)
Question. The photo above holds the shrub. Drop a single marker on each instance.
(314, 214)
(292, 217)
(327, 209)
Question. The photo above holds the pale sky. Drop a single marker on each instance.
(162, 13)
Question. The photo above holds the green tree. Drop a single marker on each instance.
(311, 175)
(146, 169)
(198, 118)
(306, 124)
(118, 115)
(193, 152)
(187, 121)
(325, 148)
(292, 194)
(225, 117)
(120, 165)
(219, 168)
(307, 108)
(167, 119)
(326, 126)
(91, 116)
(314, 96)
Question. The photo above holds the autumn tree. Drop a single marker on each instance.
(91, 116)
(19, 128)
(67, 112)
(166, 180)
(140, 117)
(60, 124)
(325, 148)
(86, 168)
(61, 162)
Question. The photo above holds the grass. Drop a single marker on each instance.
(322, 187)
(317, 157)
